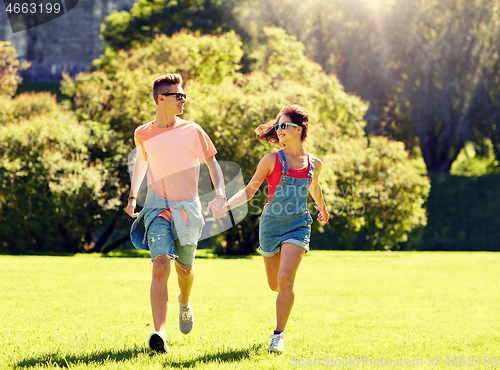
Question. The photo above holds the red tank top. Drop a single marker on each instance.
(274, 177)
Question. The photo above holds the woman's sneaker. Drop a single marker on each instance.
(277, 345)
(186, 319)
(158, 342)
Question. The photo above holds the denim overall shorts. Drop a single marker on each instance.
(286, 218)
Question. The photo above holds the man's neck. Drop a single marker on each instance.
(163, 120)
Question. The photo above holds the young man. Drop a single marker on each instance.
(169, 150)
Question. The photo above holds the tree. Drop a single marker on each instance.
(418, 63)
(148, 18)
(486, 115)
(9, 68)
(350, 38)
(119, 92)
(446, 48)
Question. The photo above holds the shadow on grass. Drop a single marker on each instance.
(223, 355)
(103, 357)
(66, 361)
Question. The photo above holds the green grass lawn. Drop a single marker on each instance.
(352, 310)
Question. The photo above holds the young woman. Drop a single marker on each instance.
(285, 222)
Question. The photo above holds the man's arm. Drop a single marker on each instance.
(218, 205)
(138, 173)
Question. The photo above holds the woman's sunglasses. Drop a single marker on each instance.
(284, 125)
(178, 96)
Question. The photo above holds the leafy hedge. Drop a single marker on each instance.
(462, 214)
(55, 192)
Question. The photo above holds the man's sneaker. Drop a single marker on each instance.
(277, 344)
(186, 319)
(158, 342)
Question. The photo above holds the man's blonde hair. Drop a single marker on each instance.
(162, 83)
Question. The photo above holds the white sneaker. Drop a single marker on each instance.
(186, 319)
(277, 345)
(158, 342)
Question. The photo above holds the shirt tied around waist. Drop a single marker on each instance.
(156, 204)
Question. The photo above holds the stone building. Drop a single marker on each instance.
(66, 44)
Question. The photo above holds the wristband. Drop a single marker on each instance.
(226, 202)
(130, 198)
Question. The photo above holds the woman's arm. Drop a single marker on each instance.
(317, 193)
(264, 168)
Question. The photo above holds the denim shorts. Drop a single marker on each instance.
(162, 240)
(276, 230)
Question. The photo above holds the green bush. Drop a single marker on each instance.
(470, 163)
(53, 193)
(27, 105)
(376, 196)
(463, 213)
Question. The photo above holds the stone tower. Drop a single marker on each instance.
(66, 44)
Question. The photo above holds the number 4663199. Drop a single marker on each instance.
(33, 8)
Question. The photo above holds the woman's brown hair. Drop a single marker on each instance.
(297, 114)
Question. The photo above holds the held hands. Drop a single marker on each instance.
(218, 207)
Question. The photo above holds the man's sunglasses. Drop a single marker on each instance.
(178, 96)
(284, 125)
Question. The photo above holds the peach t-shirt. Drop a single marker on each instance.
(173, 155)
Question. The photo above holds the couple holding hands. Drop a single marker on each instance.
(169, 151)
